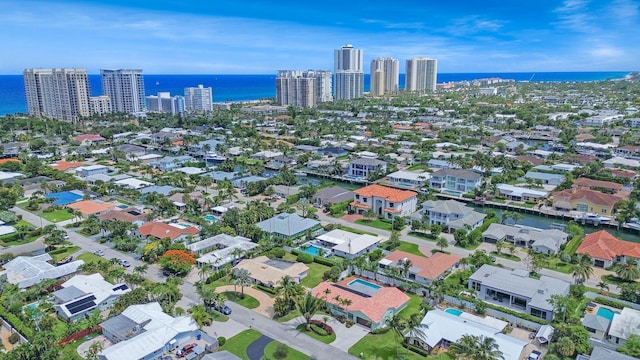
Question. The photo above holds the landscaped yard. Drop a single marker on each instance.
(378, 224)
(314, 275)
(57, 216)
(247, 301)
(238, 344)
(422, 235)
(411, 248)
(292, 354)
(382, 346)
(61, 253)
(355, 231)
(5, 240)
(327, 339)
(90, 257)
(505, 256)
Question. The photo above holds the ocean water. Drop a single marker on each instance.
(253, 87)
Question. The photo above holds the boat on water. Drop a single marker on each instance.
(594, 218)
(300, 173)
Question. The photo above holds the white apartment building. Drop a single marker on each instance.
(198, 98)
(296, 89)
(125, 88)
(164, 102)
(99, 104)
(385, 74)
(421, 74)
(348, 74)
(61, 94)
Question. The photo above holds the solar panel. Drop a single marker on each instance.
(120, 287)
(82, 304)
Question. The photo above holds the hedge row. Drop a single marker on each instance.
(15, 322)
(267, 289)
(324, 261)
(517, 314)
(339, 207)
(415, 349)
(612, 303)
(216, 276)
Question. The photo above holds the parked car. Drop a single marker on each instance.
(187, 349)
(99, 252)
(125, 263)
(224, 309)
(535, 355)
(65, 236)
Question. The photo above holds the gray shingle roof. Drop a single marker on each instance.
(287, 224)
(465, 174)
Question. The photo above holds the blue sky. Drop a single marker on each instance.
(260, 37)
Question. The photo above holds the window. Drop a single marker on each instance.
(364, 199)
(391, 205)
(539, 313)
(357, 197)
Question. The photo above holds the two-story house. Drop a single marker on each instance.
(363, 167)
(455, 181)
(606, 250)
(384, 201)
(452, 214)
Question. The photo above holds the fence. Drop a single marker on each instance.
(516, 321)
(78, 335)
(13, 330)
(592, 296)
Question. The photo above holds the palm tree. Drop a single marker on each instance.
(397, 324)
(204, 271)
(471, 347)
(628, 271)
(241, 277)
(499, 246)
(415, 328)
(200, 315)
(406, 266)
(442, 242)
(603, 285)
(141, 269)
(581, 269)
(308, 306)
(289, 289)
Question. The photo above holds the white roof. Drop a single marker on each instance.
(348, 242)
(6, 175)
(410, 175)
(190, 170)
(133, 183)
(159, 331)
(442, 325)
(25, 271)
(4, 230)
(95, 285)
(520, 191)
(626, 323)
(225, 244)
(148, 157)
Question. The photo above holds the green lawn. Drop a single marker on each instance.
(411, 248)
(413, 306)
(238, 344)
(91, 257)
(292, 354)
(378, 224)
(505, 256)
(557, 265)
(382, 347)
(314, 275)
(327, 339)
(57, 216)
(61, 253)
(355, 231)
(5, 240)
(422, 235)
(247, 301)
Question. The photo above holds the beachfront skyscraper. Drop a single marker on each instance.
(61, 94)
(125, 88)
(303, 88)
(164, 102)
(422, 74)
(385, 73)
(198, 99)
(348, 73)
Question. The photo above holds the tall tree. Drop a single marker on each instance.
(308, 306)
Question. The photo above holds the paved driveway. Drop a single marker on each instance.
(345, 337)
(266, 303)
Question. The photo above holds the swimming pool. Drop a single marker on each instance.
(210, 218)
(180, 225)
(452, 192)
(311, 250)
(453, 311)
(361, 282)
(605, 313)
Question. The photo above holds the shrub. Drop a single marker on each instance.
(608, 302)
(349, 323)
(415, 349)
(13, 338)
(281, 352)
(267, 289)
(278, 253)
(305, 258)
(221, 340)
(323, 261)
(321, 325)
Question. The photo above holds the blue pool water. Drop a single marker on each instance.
(452, 192)
(605, 313)
(210, 218)
(452, 311)
(364, 283)
(123, 206)
(311, 250)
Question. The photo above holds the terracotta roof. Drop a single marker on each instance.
(594, 197)
(390, 194)
(590, 183)
(582, 159)
(373, 307)
(622, 173)
(2, 161)
(161, 230)
(603, 245)
(66, 165)
(91, 137)
(430, 267)
(121, 215)
(89, 207)
(533, 160)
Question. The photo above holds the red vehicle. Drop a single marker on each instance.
(187, 349)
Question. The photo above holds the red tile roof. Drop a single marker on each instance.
(533, 160)
(603, 245)
(161, 230)
(594, 197)
(66, 165)
(390, 194)
(122, 215)
(430, 267)
(2, 161)
(590, 183)
(89, 207)
(622, 173)
(91, 137)
(373, 307)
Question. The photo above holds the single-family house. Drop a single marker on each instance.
(370, 305)
(25, 271)
(603, 353)
(546, 241)
(332, 195)
(514, 289)
(420, 269)
(91, 207)
(519, 193)
(131, 215)
(145, 332)
(606, 250)
(87, 139)
(408, 179)
(170, 163)
(160, 230)
(596, 325)
(241, 182)
(545, 178)
(442, 328)
(349, 245)
(363, 167)
(221, 249)
(452, 214)
(599, 185)
(289, 226)
(585, 200)
(441, 164)
(165, 190)
(623, 325)
(84, 293)
(384, 201)
(85, 171)
(132, 152)
(268, 272)
(455, 181)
